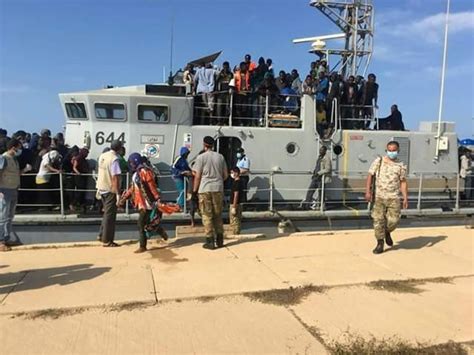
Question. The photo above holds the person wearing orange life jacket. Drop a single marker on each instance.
(251, 66)
(144, 194)
(242, 88)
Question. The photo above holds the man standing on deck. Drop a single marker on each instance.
(210, 172)
(243, 163)
(321, 171)
(108, 186)
(390, 180)
(204, 82)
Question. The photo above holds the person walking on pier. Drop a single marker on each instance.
(144, 192)
(236, 198)
(9, 184)
(181, 172)
(390, 179)
(108, 186)
(210, 171)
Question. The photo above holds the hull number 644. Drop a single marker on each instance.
(102, 138)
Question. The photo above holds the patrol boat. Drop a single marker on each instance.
(158, 119)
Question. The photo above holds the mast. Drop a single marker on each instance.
(443, 73)
(355, 18)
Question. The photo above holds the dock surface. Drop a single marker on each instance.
(310, 292)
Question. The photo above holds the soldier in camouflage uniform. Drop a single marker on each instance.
(210, 172)
(390, 180)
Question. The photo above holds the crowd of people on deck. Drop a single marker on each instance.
(250, 84)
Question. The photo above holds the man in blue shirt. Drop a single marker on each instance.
(181, 170)
(322, 88)
(290, 99)
(243, 163)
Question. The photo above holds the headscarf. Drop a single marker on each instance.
(135, 160)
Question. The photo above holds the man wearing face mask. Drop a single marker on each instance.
(9, 184)
(390, 180)
(243, 163)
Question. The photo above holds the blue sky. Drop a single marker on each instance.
(53, 46)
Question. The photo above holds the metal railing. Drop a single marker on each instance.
(345, 192)
(231, 108)
(247, 109)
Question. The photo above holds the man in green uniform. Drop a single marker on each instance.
(210, 172)
(390, 180)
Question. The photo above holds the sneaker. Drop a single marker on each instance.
(110, 245)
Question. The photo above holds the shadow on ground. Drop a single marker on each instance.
(40, 278)
(418, 242)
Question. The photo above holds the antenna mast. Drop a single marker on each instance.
(170, 78)
(355, 18)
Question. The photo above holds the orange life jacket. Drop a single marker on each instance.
(238, 81)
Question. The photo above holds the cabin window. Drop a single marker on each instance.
(110, 111)
(76, 111)
(153, 114)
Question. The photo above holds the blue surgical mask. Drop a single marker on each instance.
(18, 152)
(392, 155)
(239, 155)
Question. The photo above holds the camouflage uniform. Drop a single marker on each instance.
(235, 220)
(387, 206)
(210, 204)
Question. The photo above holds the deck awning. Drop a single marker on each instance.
(207, 59)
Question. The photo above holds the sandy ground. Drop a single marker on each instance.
(297, 294)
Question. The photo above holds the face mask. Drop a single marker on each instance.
(392, 155)
(18, 152)
(239, 155)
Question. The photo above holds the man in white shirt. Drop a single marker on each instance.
(108, 186)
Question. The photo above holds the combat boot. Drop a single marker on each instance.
(209, 243)
(220, 240)
(379, 248)
(388, 238)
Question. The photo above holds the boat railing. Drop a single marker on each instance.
(248, 108)
(273, 190)
(354, 116)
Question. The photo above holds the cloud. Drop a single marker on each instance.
(431, 28)
(15, 89)
(459, 70)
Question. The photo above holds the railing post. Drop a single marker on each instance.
(267, 101)
(420, 185)
(127, 181)
(185, 180)
(321, 207)
(61, 193)
(458, 183)
(231, 107)
(271, 191)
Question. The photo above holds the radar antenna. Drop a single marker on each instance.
(355, 18)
